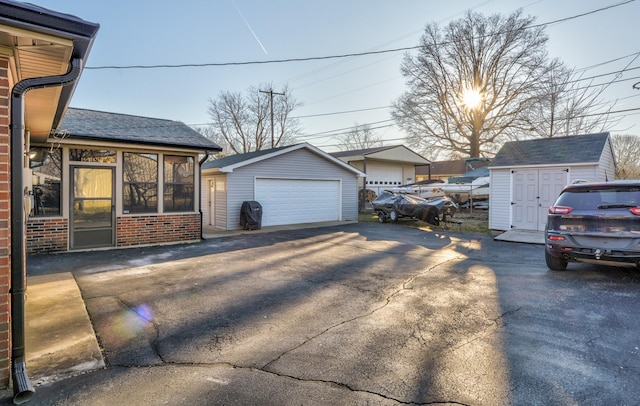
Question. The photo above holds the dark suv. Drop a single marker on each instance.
(596, 223)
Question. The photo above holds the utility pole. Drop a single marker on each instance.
(270, 92)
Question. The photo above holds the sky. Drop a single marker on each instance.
(336, 94)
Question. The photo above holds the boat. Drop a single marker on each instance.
(426, 189)
(473, 185)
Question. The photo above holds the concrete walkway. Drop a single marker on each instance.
(60, 340)
(524, 236)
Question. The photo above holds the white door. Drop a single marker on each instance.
(296, 201)
(533, 192)
(551, 183)
(212, 202)
(524, 203)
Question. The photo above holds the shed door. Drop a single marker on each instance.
(524, 203)
(296, 201)
(551, 183)
(533, 192)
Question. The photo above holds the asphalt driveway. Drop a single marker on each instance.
(354, 314)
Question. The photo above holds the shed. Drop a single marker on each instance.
(526, 177)
(294, 184)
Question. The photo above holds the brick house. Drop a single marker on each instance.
(42, 55)
(73, 179)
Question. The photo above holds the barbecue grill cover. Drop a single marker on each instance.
(251, 215)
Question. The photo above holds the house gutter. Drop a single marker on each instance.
(202, 161)
(22, 389)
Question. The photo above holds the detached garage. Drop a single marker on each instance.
(294, 185)
(526, 177)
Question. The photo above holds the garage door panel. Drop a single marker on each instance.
(295, 201)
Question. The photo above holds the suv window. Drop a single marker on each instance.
(590, 199)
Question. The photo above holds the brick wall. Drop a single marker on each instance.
(5, 227)
(47, 235)
(157, 229)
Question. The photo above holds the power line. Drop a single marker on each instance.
(343, 112)
(339, 56)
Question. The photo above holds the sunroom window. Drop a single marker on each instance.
(140, 176)
(179, 179)
(46, 166)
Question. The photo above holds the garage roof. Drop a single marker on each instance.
(393, 153)
(574, 149)
(229, 163)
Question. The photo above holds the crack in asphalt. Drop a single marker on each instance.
(266, 367)
(322, 381)
(155, 342)
(386, 302)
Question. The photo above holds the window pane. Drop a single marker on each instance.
(92, 155)
(140, 173)
(178, 183)
(47, 173)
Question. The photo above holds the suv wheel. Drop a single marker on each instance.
(555, 263)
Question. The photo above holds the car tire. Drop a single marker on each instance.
(393, 215)
(555, 263)
(382, 218)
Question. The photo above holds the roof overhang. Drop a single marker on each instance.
(398, 154)
(41, 43)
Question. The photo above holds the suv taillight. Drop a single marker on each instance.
(635, 210)
(560, 210)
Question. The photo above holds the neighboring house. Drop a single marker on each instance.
(527, 176)
(443, 170)
(40, 51)
(294, 184)
(114, 180)
(385, 167)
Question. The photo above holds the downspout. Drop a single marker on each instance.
(203, 160)
(22, 389)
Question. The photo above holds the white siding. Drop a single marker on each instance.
(607, 167)
(301, 164)
(204, 199)
(500, 203)
(587, 172)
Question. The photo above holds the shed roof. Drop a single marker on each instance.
(103, 126)
(574, 149)
(231, 162)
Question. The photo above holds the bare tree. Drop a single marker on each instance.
(565, 104)
(496, 60)
(360, 137)
(243, 123)
(209, 132)
(627, 150)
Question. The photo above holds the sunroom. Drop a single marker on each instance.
(104, 180)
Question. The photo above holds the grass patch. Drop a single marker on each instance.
(476, 222)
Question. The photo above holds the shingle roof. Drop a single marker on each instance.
(103, 126)
(229, 163)
(552, 151)
(234, 159)
(365, 151)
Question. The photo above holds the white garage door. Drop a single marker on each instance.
(296, 201)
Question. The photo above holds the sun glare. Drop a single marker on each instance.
(471, 98)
